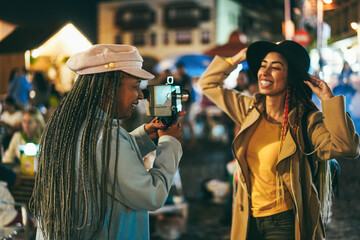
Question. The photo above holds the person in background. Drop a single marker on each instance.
(32, 124)
(8, 213)
(345, 74)
(242, 81)
(40, 90)
(20, 87)
(10, 120)
(344, 85)
(161, 78)
(91, 181)
(9, 176)
(275, 197)
(184, 80)
(9, 216)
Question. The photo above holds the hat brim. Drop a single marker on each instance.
(293, 52)
(139, 73)
(136, 72)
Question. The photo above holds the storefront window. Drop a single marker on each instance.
(205, 37)
(153, 39)
(183, 37)
(138, 39)
(166, 38)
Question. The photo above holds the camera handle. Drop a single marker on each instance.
(169, 80)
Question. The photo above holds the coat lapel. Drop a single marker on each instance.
(289, 147)
(252, 116)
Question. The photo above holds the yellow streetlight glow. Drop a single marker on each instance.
(35, 53)
(354, 25)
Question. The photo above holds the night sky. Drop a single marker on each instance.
(82, 13)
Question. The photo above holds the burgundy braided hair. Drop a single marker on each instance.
(286, 114)
(297, 93)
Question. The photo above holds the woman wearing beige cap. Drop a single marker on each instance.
(91, 181)
(275, 196)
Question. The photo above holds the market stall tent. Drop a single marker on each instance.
(66, 42)
(43, 48)
(5, 29)
(235, 43)
(52, 55)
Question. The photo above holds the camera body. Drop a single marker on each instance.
(165, 101)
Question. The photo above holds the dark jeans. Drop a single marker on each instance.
(279, 226)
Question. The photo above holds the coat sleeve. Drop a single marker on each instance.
(143, 140)
(137, 188)
(233, 103)
(332, 131)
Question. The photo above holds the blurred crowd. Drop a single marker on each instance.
(347, 83)
(30, 100)
(25, 108)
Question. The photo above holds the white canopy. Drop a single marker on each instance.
(66, 42)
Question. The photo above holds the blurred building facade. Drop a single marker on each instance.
(160, 28)
(262, 20)
(343, 37)
(340, 17)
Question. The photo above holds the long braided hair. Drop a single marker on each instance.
(301, 95)
(70, 196)
(297, 94)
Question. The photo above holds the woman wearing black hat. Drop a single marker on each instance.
(274, 196)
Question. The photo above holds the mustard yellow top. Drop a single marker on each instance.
(262, 156)
(229, 60)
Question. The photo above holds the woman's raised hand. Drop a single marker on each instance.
(320, 88)
(239, 57)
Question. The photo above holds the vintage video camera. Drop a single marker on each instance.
(164, 101)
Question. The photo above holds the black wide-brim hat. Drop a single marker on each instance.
(295, 54)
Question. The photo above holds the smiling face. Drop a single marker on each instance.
(129, 93)
(272, 75)
(29, 124)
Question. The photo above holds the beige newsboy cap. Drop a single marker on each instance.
(109, 57)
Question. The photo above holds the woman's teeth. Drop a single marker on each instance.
(265, 83)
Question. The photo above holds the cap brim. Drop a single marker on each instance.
(139, 73)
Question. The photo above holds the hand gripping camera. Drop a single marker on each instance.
(164, 101)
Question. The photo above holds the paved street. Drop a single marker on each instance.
(346, 208)
(206, 219)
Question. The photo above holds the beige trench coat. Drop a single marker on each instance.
(332, 133)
